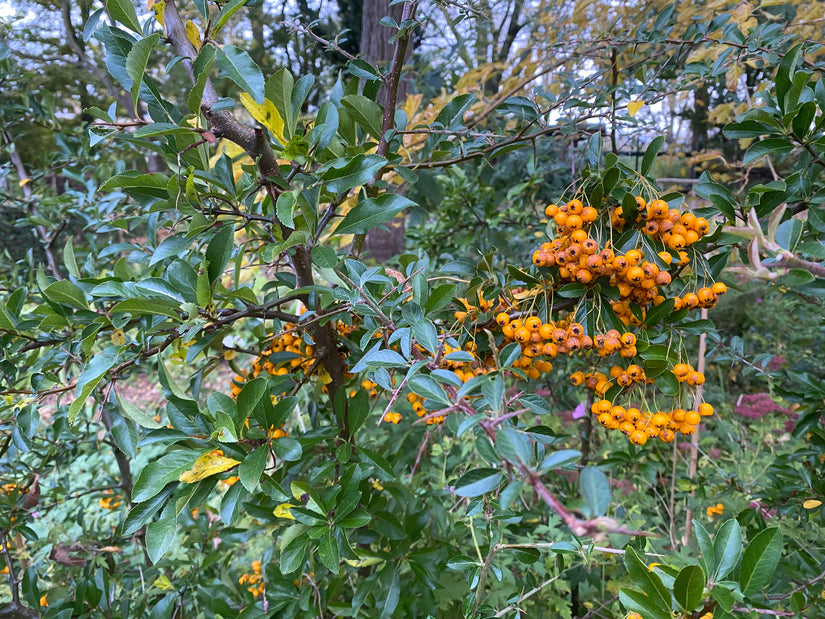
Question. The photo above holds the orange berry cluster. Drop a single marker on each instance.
(417, 403)
(599, 383)
(287, 341)
(255, 579)
(715, 510)
(483, 307)
(640, 426)
(706, 297)
(108, 502)
(676, 230)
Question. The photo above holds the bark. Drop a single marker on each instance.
(383, 244)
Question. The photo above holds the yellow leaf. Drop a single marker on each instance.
(193, 34)
(284, 511)
(634, 106)
(811, 504)
(266, 114)
(364, 562)
(118, 337)
(208, 464)
(324, 376)
(23, 181)
(158, 8)
(163, 583)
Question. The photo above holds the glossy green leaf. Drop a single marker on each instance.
(238, 66)
(689, 587)
(760, 560)
(478, 481)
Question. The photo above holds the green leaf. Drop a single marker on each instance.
(650, 154)
(384, 470)
(89, 378)
(138, 307)
(219, 251)
(637, 602)
(724, 596)
(328, 551)
(648, 581)
(560, 458)
(769, 146)
(760, 560)
(727, 548)
(689, 588)
(284, 208)
(595, 488)
(69, 259)
(393, 595)
(326, 126)
(706, 546)
(366, 113)
(123, 12)
(227, 12)
(429, 388)
(478, 481)
(253, 466)
(250, 395)
(137, 60)
(132, 412)
(667, 383)
(344, 174)
(513, 446)
(155, 475)
(785, 73)
(293, 552)
(659, 312)
(426, 335)
(238, 66)
(279, 90)
(372, 212)
(161, 533)
(287, 448)
(66, 293)
(143, 512)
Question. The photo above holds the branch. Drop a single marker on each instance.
(222, 122)
(15, 591)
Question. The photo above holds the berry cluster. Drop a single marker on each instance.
(674, 229)
(255, 579)
(715, 510)
(110, 501)
(640, 426)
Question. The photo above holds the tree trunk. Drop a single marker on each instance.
(383, 244)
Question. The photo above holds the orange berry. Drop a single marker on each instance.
(693, 418)
(502, 319)
(705, 409)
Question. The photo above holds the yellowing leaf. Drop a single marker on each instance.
(266, 114)
(364, 562)
(118, 337)
(163, 583)
(634, 106)
(158, 8)
(284, 511)
(193, 34)
(811, 504)
(208, 464)
(23, 181)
